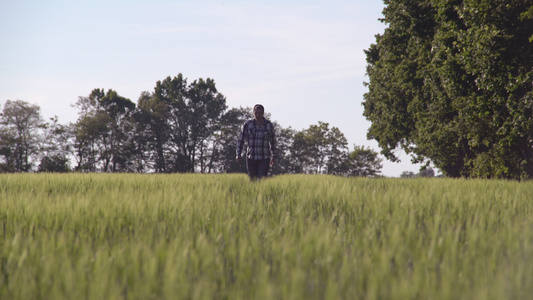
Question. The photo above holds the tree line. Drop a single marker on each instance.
(180, 127)
(451, 82)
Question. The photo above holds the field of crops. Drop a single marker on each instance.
(104, 236)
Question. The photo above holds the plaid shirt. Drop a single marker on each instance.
(260, 138)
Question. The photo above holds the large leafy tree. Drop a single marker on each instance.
(151, 134)
(57, 147)
(104, 132)
(190, 115)
(21, 127)
(363, 162)
(204, 108)
(319, 149)
(450, 82)
(284, 143)
(224, 142)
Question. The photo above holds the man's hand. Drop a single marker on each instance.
(238, 159)
(272, 161)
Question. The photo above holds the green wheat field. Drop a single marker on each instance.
(193, 236)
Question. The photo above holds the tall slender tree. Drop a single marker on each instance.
(190, 115)
(103, 132)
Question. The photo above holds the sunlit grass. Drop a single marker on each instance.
(105, 236)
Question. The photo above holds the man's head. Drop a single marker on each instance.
(259, 111)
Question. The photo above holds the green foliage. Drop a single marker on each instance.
(320, 149)
(178, 128)
(197, 236)
(285, 163)
(450, 82)
(184, 120)
(224, 142)
(56, 164)
(426, 171)
(57, 146)
(102, 139)
(363, 162)
(20, 126)
(408, 174)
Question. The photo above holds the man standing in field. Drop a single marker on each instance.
(261, 140)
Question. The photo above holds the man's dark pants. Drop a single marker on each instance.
(257, 168)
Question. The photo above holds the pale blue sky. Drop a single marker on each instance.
(303, 60)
